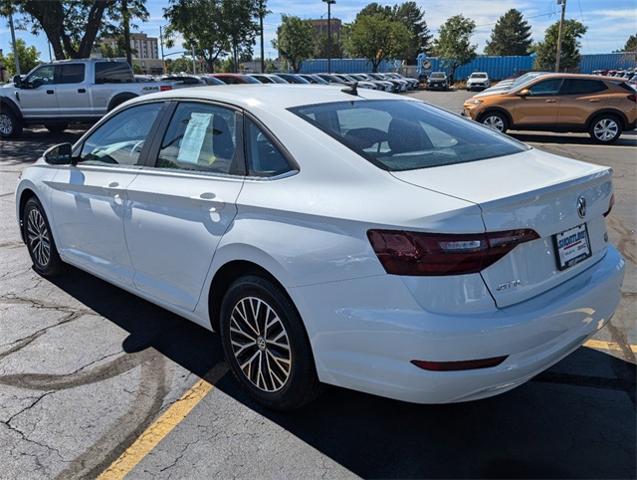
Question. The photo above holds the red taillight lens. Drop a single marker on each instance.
(164, 88)
(610, 205)
(430, 254)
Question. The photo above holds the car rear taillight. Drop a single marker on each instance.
(610, 205)
(164, 88)
(431, 254)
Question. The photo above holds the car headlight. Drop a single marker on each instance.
(474, 101)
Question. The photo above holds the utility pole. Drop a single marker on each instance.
(161, 46)
(194, 69)
(15, 45)
(329, 34)
(261, 15)
(559, 35)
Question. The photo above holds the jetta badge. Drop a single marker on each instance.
(581, 207)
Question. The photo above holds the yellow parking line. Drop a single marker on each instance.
(603, 345)
(154, 434)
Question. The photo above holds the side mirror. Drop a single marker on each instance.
(17, 80)
(61, 154)
(524, 92)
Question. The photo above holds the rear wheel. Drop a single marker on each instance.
(605, 129)
(56, 127)
(10, 126)
(495, 120)
(265, 343)
(39, 239)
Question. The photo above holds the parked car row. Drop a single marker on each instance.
(602, 106)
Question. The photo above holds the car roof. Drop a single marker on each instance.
(573, 75)
(270, 96)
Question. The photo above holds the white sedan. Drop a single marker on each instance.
(331, 236)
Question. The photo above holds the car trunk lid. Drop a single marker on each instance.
(530, 190)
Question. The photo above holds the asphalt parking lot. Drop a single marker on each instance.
(95, 381)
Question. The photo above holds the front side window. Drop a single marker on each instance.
(202, 138)
(264, 158)
(42, 76)
(73, 73)
(120, 140)
(546, 87)
(404, 135)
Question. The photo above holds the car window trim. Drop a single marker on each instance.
(293, 165)
(162, 128)
(79, 145)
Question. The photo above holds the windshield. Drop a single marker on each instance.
(405, 135)
(478, 75)
(437, 75)
(525, 78)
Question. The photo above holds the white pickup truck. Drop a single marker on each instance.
(68, 91)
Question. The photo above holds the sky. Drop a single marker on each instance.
(609, 22)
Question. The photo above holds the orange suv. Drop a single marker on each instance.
(601, 106)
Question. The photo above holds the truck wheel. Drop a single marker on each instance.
(56, 127)
(10, 126)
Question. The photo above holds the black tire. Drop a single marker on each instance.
(606, 128)
(496, 120)
(56, 127)
(282, 390)
(37, 231)
(10, 125)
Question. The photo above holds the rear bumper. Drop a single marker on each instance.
(365, 332)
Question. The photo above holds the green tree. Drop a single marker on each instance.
(510, 36)
(121, 13)
(453, 44)
(631, 44)
(241, 28)
(178, 65)
(29, 58)
(71, 26)
(321, 47)
(377, 37)
(294, 40)
(546, 50)
(412, 16)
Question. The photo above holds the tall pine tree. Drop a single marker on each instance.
(510, 36)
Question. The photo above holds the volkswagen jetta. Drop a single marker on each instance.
(335, 236)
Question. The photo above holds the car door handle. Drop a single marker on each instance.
(50, 92)
(118, 200)
(81, 90)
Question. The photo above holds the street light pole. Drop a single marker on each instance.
(560, 33)
(261, 14)
(329, 34)
(161, 46)
(194, 70)
(15, 45)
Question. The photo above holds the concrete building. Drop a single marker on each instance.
(320, 26)
(145, 52)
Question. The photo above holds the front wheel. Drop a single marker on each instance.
(10, 126)
(605, 129)
(39, 239)
(265, 343)
(496, 121)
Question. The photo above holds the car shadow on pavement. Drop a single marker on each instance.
(627, 139)
(31, 144)
(574, 421)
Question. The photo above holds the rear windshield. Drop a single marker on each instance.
(405, 135)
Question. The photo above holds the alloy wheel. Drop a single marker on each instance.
(606, 129)
(495, 122)
(38, 238)
(260, 344)
(6, 124)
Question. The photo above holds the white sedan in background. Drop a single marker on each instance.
(478, 81)
(330, 236)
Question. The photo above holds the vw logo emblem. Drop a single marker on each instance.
(581, 207)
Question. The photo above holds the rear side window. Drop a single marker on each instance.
(578, 86)
(120, 140)
(264, 157)
(404, 135)
(202, 138)
(547, 87)
(73, 73)
(113, 72)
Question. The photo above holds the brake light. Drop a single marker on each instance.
(431, 254)
(164, 88)
(610, 205)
